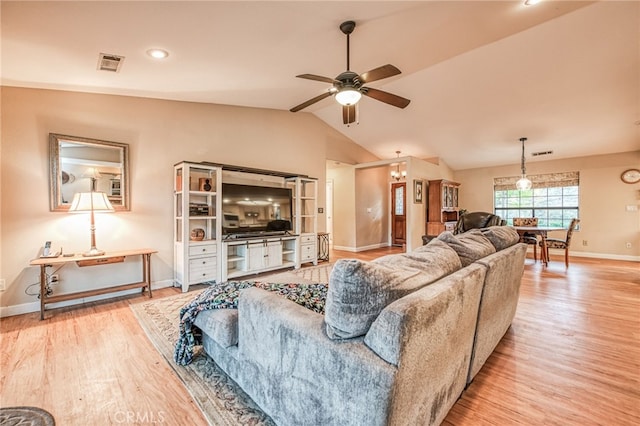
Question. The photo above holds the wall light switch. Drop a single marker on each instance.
(3, 285)
(632, 208)
(369, 210)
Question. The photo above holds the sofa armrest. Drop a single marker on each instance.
(429, 335)
(293, 355)
(499, 301)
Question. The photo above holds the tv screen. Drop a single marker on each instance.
(255, 209)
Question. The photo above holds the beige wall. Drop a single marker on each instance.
(160, 133)
(344, 205)
(372, 208)
(605, 223)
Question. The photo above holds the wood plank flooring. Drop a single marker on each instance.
(572, 356)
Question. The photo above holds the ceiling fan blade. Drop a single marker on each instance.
(386, 97)
(379, 73)
(316, 78)
(310, 102)
(348, 114)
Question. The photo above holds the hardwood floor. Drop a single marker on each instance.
(571, 356)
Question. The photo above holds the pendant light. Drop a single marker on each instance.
(397, 174)
(523, 183)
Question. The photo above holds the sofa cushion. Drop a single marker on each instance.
(437, 259)
(219, 324)
(359, 290)
(470, 246)
(501, 236)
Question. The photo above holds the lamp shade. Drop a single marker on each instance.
(90, 201)
(348, 96)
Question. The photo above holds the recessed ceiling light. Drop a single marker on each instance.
(157, 53)
(531, 2)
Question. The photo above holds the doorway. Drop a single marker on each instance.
(398, 214)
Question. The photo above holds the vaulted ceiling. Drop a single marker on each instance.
(480, 74)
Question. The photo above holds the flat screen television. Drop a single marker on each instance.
(249, 210)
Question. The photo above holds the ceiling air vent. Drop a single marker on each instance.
(108, 62)
(537, 154)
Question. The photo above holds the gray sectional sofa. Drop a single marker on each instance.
(400, 339)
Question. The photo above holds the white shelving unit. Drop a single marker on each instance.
(305, 217)
(200, 252)
(196, 228)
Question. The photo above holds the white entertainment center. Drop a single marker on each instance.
(217, 238)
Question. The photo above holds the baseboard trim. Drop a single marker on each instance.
(606, 256)
(26, 308)
(362, 248)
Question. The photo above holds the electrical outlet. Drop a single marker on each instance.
(3, 285)
(584, 243)
(628, 245)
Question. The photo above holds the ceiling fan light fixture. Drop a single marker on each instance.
(348, 96)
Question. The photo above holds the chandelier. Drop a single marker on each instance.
(523, 183)
(397, 174)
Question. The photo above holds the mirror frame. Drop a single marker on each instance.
(55, 170)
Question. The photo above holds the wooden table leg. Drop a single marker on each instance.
(43, 290)
(146, 266)
(544, 252)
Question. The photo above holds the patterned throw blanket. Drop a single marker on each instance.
(225, 295)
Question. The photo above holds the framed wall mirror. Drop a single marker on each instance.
(74, 161)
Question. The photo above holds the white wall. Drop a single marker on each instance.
(160, 133)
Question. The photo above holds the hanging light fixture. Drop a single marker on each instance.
(397, 174)
(523, 183)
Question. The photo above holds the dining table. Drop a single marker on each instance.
(542, 231)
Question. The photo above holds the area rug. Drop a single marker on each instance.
(220, 398)
(25, 416)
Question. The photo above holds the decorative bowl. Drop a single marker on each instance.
(197, 234)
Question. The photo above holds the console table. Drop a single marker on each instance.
(105, 259)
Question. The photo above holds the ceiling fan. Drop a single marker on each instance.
(348, 87)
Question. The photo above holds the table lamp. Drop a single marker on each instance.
(94, 201)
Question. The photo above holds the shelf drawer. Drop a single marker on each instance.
(307, 252)
(202, 249)
(307, 239)
(202, 269)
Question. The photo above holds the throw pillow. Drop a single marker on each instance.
(501, 236)
(470, 246)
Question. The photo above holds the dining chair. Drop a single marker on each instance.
(528, 238)
(555, 243)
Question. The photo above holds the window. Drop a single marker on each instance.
(553, 199)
